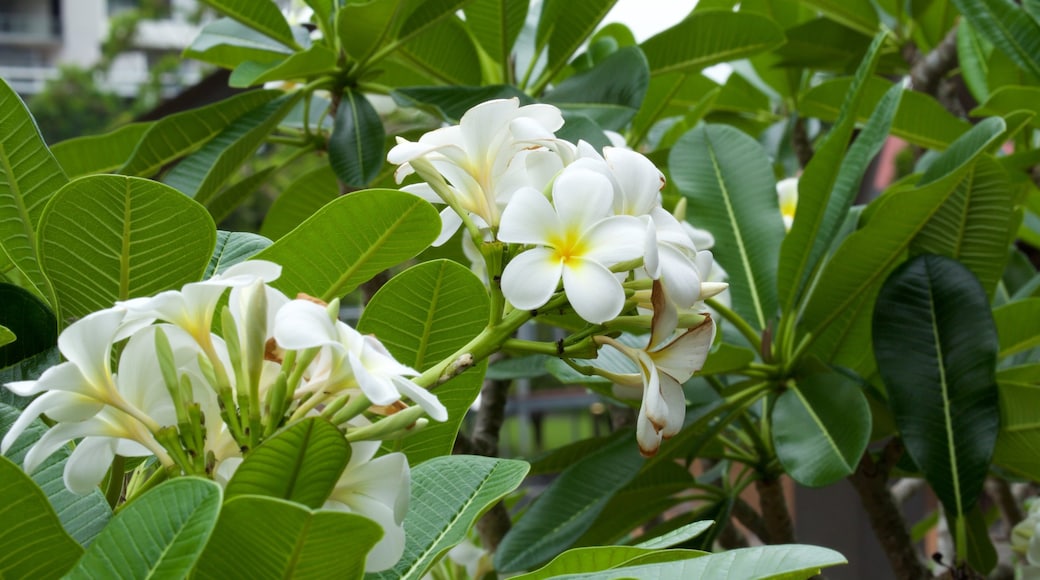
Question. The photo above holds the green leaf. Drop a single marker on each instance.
(82, 516)
(424, 315)
(847, 283)
(105, 238)
(788, 562)
(181, 133)
(350, 240)
(1007, 100)
(362, 27)
(426, 14)
(262, 537)
(28, 369)
(448, 495)
(821, 426)
(726, 359)
(832, 179)
(450, 103)
(302, 464)
(569, 506)
(588, 559)
(981, 555)
(6, 336)
(822, 44)
(32, 542)
(232, 248)
(99, 153)
(972, 224)
(29, 176)
(564, 26)
(856, 14)
(609, 93)
(673, 95)
(920, 119)
(159, 535)
(939, 371)
(1016, 326)
(707, 38)
(1008, 27)
(222, 204)
(314, 61)
(1018, 444)
(496, 24)
(228, 43)
(260, 15)
(444, 52)
(299, 201)
(728, 181)
(677, 536)
(28, 318)
(204, 171)
(973, 54)
(356, 144)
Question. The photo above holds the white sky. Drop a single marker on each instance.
(648, 17)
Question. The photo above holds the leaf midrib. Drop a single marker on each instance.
(944, 390)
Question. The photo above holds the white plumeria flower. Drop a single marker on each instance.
(662, 371)
(192, 307)
(787, 192)
(497, 147)
(379, 490)
(349, 359)
(113, 412)
(577, 238)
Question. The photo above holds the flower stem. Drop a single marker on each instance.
(737, 321)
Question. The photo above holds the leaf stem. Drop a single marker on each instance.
(737, 321)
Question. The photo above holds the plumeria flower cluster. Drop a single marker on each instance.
(563, 225)
(198, 396)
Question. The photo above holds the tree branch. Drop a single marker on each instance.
(803, 149)
(929, 71)
(871, 482)
(776, 518)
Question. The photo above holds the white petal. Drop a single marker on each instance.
(529, 218)
(686, 354)
(384, 479)
(647, 436)
(651, 255)
(59, 435)
(87, 341)
(531, 278)
(638, 178)
(304, 324)
(425, 399)
(675, 401)
(59, 405)
(681, 279)
(480, 125)
(379, 390)
(582, 198)
(89, 462)
(592, 290)
(615, 239)
(450, 223)
(244, 273)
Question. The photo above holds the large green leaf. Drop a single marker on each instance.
(29, 319)
(82, 516)
(728, 181)
(920, 119)
(789, 562)
(856, 14)
(939, 371)
(356, 143)
(159, 535)
(260, 15)
(822, 44)
(1005, 24)
(362, 27)
(677, 536)
(6, 336)
(444, 52)
(972, 225)
(200, 174)
(28, 369)
(181, 133)
(232, 248)
(848, 282)
(262, 537)
(1007, 100)
(569, 506)
(1018, 444)
(299, 201)
(449, 494)
(350, 240)
(711, 37)
(821, 426)
(609, 93)
(227, 200)
(564, 26)
(99, 153)
(973, 55)
(1017, 324)
(496, 24)
(29, 176)
(423, 315)
(105, 238)
(32, 541)
(674, 95)
(831, 181)
(227, 43)
(301, 464)
(593, 559)
(428, 14)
